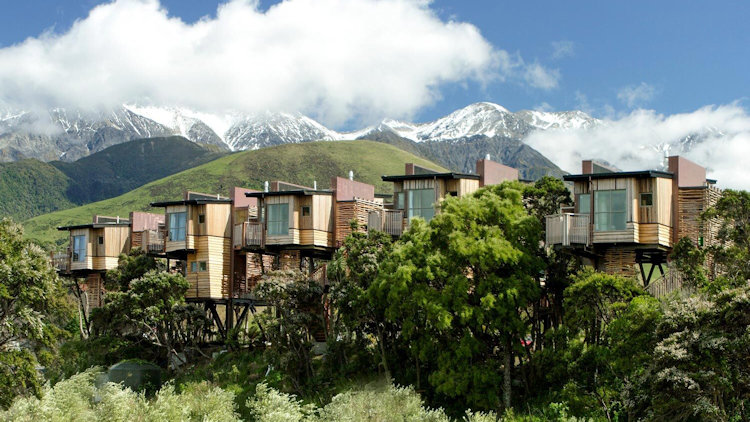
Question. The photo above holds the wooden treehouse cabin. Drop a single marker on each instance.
(147, 232)
(291, 226)
(626, 222)
(419, 191)
(196, 240)
(93, 249)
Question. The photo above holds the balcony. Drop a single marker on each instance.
(389, 221)
(60, 261)
(568, 229)
(153, 241)
(248, 233)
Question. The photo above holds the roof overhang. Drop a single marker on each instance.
(191, 202)
(430, 176)
(618, 175)
(94, 226)
(299, 192)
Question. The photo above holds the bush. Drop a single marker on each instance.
(80, 399)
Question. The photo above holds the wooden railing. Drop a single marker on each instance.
(389, 221)
(568, 229)
(60, 261)
(153, 241)
(254, 234)
(670, 282)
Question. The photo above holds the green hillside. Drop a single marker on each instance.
(31, 187)
(123, 167)
(295, 163)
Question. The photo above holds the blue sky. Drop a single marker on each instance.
(674, 56)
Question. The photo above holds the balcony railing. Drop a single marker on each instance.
(568, 229)
(61, 261)
(389, 221)
(153, 241)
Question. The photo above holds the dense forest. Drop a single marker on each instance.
(467, 317)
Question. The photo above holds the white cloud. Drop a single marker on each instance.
(636, 95)
(336, 60)
(562, 49)
(641, 139)
(538, 76)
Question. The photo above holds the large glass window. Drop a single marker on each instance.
(610, 210)
(398, 201)
(420, 203)
(584, 203)
(79, 248)
(177, 223)
(278, 219)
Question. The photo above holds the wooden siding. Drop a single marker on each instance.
(691, 204)
(629, 235)
(315, 229)
(619, 260)
(656, 234)
(116, 241)
(94, 289)
(213, 282)
(358, 210)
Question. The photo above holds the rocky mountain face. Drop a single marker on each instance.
(455, 140)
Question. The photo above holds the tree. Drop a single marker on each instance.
(153, 310)
(131, 266)
(460, 284)
(294, 315)
(33, 310)
(731, 254)
(353, 272)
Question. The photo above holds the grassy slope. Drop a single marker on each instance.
(295, 163)
(123, 167)
(31, 187)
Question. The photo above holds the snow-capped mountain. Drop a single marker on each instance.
(69, 135)
(486, 119)
(268, 129)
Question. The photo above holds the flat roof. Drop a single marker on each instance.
(618, 175)
(122, 223)
(306, 192)
(191, 202)
(430, 176)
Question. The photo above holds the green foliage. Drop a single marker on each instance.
(295, 314)
(690, 262)
(133, 265)
(33, 310)
(30, 187)
(294, 163)
(80, 398)
(152, 310)
(354, 271)
(459, 301)
(699, 369)
(731, 254)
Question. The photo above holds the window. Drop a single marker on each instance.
(278, 219)
(453, 193)
(202, 266)
(193, 267)
(201, 218)
(647, 199)
(420, 203)
(584, 203)
(610, 210)
(79, 248)
(399, 201)
(101, 240)
(177, 226)
(305, 211)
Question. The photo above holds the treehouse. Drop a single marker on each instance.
(198, 237)
(147, 231)
(93, 249)
(289, 226)
(623, 220)
(419, 191)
